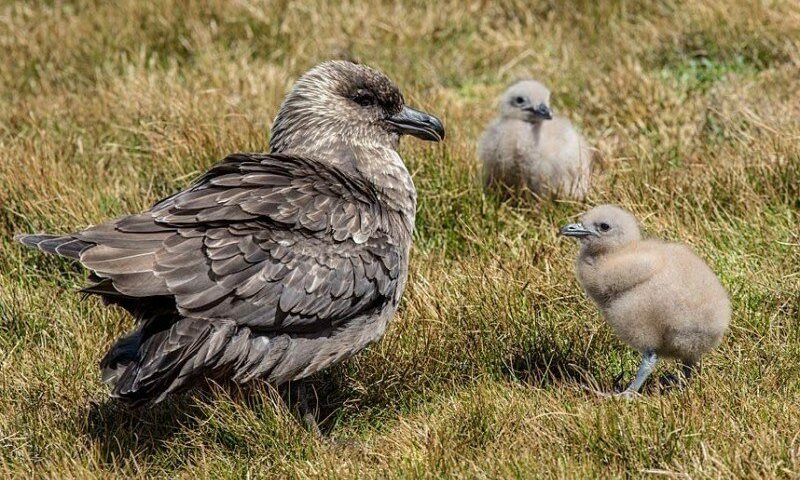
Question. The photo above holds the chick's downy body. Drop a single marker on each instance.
(659, 297)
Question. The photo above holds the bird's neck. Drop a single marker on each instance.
(396, 190)
(606, 275)
(384, 169)
(536, 129)
(377, 164)
(526, 126)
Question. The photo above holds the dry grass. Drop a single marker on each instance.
(107, 106)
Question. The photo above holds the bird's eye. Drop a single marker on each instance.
(519, 100)
(604, 227)
(364, 98)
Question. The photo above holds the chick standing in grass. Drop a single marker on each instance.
(527, 148)
(659, 297)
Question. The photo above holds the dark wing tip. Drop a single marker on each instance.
(65, 246)
(32, 240)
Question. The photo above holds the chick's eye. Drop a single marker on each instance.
(364, 98)
(604, 227)
(519, 100)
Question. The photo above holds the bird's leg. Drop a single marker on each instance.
(307, 414)
(680, 381)
(649, 360)
(688, 369)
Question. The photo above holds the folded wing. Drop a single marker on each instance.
(273, 242)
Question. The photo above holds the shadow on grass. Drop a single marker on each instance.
(155, 432)
(547, 366)
(550, 363)
(121, 432)
(332, 397)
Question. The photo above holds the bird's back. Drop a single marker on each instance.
(696, 286)
(565, 157)
(270, 266)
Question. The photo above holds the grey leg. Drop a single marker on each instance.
(688, 370)
(645, 369)
(299, 398)
(307, 413)
(679, 381)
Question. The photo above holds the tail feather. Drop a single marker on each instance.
(120, 356)
(160, 358)
(65, 246)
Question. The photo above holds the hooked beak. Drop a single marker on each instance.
(540, 112)
(576, 230)
(419, 124)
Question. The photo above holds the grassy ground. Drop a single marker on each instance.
(695, 107)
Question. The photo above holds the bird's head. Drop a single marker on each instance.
(527, 100)
(347, 102)
(604, 229)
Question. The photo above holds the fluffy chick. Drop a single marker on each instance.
(658, 297)
(526, 147)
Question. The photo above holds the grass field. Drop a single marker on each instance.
(694, 106)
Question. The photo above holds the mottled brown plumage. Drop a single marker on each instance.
(271, 265)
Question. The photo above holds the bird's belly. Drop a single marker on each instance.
(635, 320)
(305, 356)
(291, 356)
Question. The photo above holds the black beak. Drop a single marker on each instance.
(419, 124)
(541, 112)
(576, 230)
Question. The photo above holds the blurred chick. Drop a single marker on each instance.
(659, 297)
(526, 147)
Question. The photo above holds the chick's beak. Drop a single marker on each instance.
(419, 124)
(576, 230)
(541, 112)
